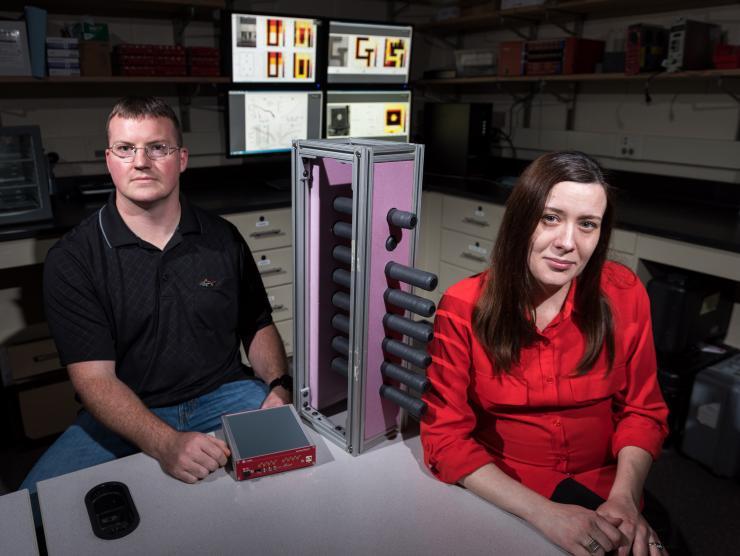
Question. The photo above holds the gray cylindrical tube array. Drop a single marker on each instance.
(342, 254)
(401, 218)
(407, 353)
(340, 366)
(341, 300)
(340, 322)
(410, 302)
(342, 277)
(340, 344)
(414, 406)
(404, 376)
(422, 331)
(343, 205)
(410, 275)
(342, 229)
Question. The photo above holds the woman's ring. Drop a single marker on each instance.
(657, 545)
(593, 546)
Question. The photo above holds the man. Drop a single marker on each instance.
(148, 300)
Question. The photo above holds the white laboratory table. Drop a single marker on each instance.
(17, 532)
(383, 502)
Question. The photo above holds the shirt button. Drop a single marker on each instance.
(556, 422)
(549, 380)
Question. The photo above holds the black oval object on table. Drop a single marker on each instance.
(111, 509)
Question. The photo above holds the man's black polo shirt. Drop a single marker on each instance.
(171, 319)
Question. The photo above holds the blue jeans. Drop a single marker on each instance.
(87, 442)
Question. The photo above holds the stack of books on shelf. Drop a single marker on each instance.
(63, 56)
(204, 61)
(149, 60)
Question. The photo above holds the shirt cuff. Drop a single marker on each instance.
(649, 438)
(457, 460)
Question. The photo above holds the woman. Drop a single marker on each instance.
(545, 399)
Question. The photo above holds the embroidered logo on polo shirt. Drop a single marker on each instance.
(207, 283)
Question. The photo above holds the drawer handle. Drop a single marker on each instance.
(266, 233)
(474, 257)
(274, 270)
(475, 221)
(45, 357)
(279, 307)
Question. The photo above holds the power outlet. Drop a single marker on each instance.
(629, 146)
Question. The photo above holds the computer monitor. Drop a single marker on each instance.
(261, 122)
(272, 49)
(365, 53)
(368, 114)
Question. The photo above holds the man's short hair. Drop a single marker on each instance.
(133, 107)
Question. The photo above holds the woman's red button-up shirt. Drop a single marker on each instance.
(542, 423)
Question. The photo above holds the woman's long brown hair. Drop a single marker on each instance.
(503, 319)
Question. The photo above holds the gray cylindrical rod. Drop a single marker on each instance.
(410, 275)
(342, 229)
(421, 331)
(404, 376)
(342, 254)
(340, 344)
(402, 219)
(342, 277)
(399, 349)
(340, 322)
(410, 302)
(341, 300)
(343, 205)
(340, 366)
(414, 406)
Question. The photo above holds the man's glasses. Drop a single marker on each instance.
(155, 151)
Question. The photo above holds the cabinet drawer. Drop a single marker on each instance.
(275, 266)
(23, 361)
(285, 328)
(449, 275)
(466, 251)
(623, 241)
(264, 230)
(281, 300)
(472, 217)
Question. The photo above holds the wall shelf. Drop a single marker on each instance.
(560, 11)
(106, 80)
(578, 78)
(195, 9)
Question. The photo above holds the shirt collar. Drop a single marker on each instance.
(568, 305)
(116, 233)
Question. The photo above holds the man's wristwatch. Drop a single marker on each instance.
(286, 381)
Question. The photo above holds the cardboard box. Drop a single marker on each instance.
(95, 58)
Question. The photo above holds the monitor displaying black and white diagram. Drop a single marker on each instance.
(365, 53)
(261, 122)
(368, 114)
(272, 49)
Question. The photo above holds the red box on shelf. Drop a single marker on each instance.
(726, 56)
(510, 58)
(563, 56)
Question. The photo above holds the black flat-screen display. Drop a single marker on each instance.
(273, 49)
(365, 53)
(261, 122)
(368, 114)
